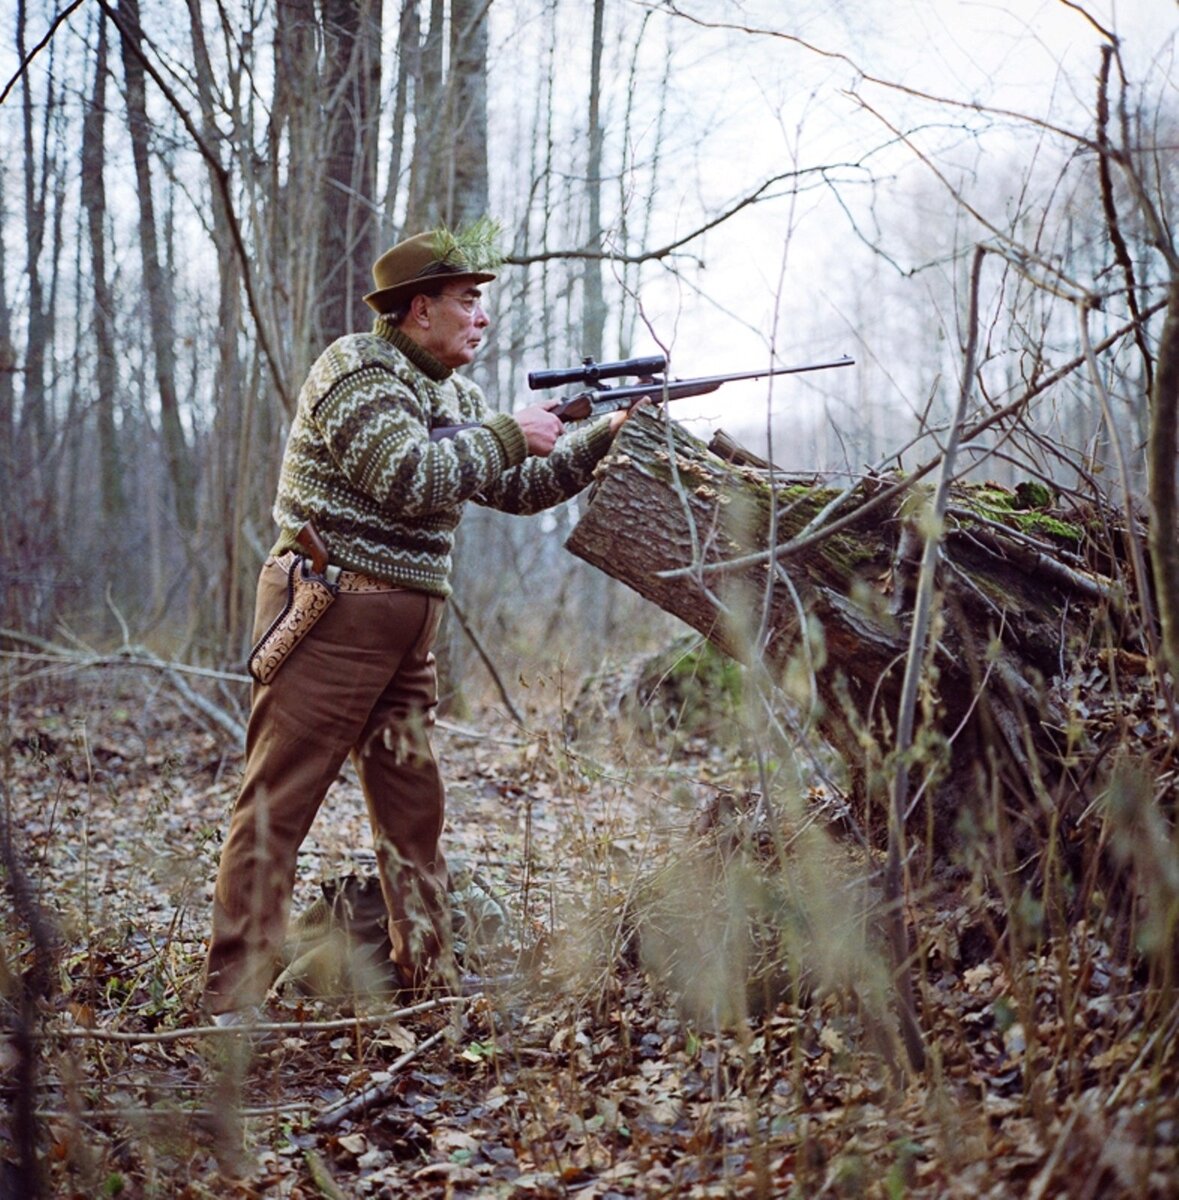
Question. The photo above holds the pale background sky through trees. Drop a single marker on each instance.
(742, 107)
(779, 182)
(747, 106)
(792, 272)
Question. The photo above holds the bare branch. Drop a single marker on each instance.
(487, 660)
(175, 1035)
(1101, 29)
(221, 174)
(1018, 255)
(376, 1093)
(891, 84)
(668, 249)
(1109, 208)
(28, 58)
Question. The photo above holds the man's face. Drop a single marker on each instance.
(453, 325)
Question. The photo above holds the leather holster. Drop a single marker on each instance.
(309, 596)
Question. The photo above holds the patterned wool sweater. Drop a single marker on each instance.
(359, 460)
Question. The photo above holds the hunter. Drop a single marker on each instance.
(361, 467)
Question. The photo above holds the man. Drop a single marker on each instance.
(386, 498)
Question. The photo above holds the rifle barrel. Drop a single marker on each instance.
(681, 389)
(844, 361)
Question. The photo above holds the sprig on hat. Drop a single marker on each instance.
(474, 247)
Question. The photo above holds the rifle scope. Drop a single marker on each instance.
(592, 372)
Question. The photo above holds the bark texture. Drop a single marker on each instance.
(1023, 595)
(156, 280)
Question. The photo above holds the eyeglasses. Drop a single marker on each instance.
(467, 303)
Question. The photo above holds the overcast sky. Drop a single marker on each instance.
(791, 273)
(786, 272)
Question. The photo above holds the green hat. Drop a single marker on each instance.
(427, 259)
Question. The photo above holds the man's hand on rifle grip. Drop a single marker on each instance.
(540, 426)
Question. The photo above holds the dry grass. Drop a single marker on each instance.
(706, 1005)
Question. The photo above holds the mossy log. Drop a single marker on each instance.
(1025, 592)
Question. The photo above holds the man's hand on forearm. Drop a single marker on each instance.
(620, 416)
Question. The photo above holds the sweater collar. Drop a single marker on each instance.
(419, 356)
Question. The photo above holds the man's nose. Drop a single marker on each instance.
(481, 317)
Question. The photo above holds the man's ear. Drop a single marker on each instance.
(419, 311)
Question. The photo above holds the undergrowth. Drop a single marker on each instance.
(704, 1001)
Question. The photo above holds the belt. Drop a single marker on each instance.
(345, 581)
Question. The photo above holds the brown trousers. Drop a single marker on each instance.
(361, 683)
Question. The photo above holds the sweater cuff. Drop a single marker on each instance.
(599, 439)
(511, 437)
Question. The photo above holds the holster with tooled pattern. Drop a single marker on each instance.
(309, 596)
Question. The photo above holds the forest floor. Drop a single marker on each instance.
(630, 1057)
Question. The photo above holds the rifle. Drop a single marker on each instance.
(606, 399)
(601, 398)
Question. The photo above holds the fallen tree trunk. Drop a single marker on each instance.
(1025, 593)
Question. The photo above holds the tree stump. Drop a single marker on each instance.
(1025, 592)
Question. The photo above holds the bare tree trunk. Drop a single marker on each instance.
(232, 419)
(1162, 449)
(408, 49)
(351, 88)
(594, 317)
(33, 543)
(33, 429)
(289, 191)
(93, 195)
(426, 203)
(632, 226)
(467, 100)
(7, 427)
(448, 180)
(156, 283)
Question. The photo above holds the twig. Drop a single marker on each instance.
(1142, 575)
(321, 1176)
(174, 1035)
(54, 652)
(1044, 1178)
(377, 1092)
(477, 735)
(467, 628)
(1109, 205)
(160, 1112)
(1001, 539)
(44, 651)
(28, 58)
(914, 665)
(1147, 1047)
(133, 36)
(130, 655)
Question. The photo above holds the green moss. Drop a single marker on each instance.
(692, 687)
(800, 497)
(848, 553)
(1033, 494)
(994, 498)
(1022, 509)
(1042, 523)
